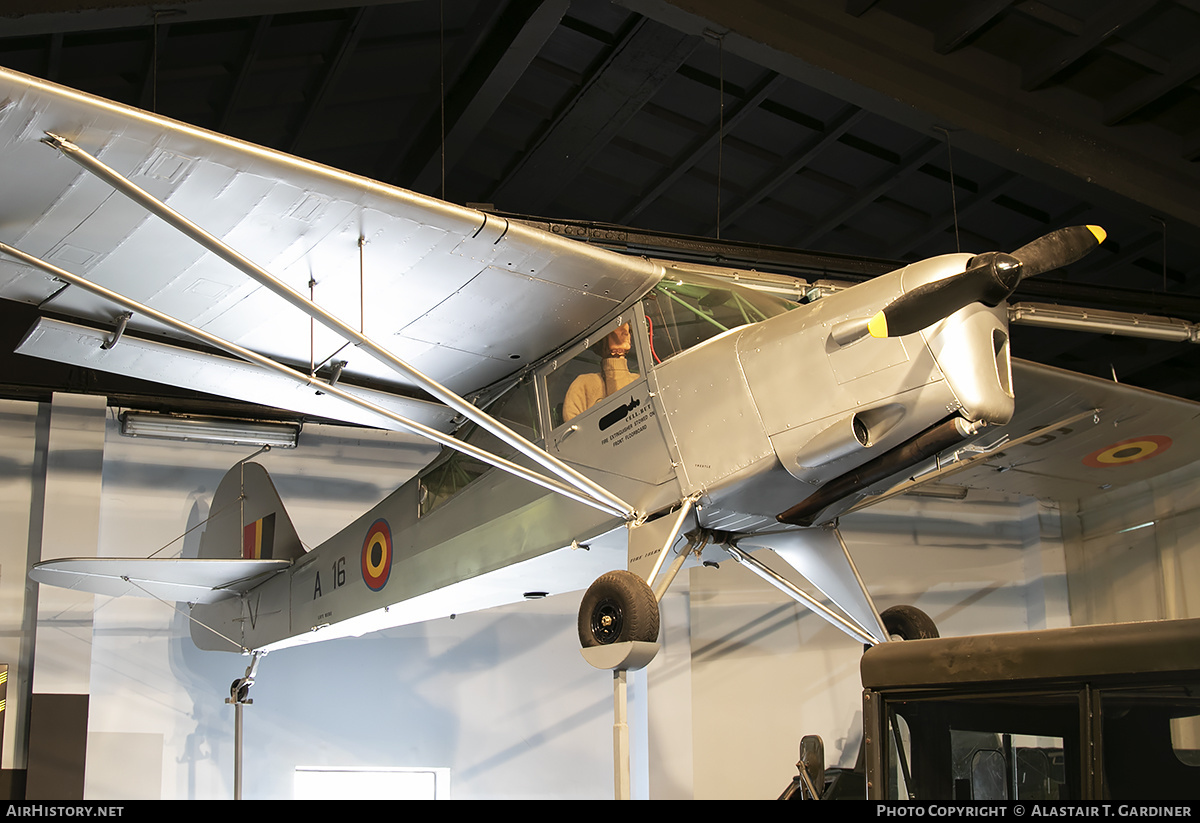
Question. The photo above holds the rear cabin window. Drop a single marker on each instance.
(454, 470)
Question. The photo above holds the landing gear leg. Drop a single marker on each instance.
(618, 630)
(239, 696)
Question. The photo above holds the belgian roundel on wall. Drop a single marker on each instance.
(377, 555)
(1133, 450)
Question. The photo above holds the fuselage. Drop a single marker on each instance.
(742, 401)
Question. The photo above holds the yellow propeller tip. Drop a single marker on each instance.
(1098, 232)
(877, 326)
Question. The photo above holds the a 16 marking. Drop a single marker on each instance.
(337, 577)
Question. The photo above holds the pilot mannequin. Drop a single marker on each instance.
(589, 389)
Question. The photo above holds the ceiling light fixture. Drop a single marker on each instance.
(229, 431)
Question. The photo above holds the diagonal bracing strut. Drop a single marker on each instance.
(269, 281)
(309, 380)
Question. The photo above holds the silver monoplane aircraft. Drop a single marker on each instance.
(599, 411)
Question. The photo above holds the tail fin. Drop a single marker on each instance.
(248, 520)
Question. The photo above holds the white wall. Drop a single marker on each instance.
(766, 671)
(1120, 572)
(21, 424)
(503, 698)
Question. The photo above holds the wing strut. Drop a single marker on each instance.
(269, 281)
(830, 568)
(321, 385)
(796, 593)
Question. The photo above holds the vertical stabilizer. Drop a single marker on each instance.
(248, 520)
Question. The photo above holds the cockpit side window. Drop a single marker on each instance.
(601, 369)
(685, 309)
(454, 470)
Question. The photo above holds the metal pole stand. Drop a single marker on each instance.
(239, 696)
(621, 658)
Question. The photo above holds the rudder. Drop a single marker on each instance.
(248, 519)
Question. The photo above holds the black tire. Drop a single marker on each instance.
(618, 607)
(909, 623)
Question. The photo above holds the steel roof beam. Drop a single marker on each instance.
(834, 129)
(1109, 21)
(1135, 98)
(239, 81)
(704, 144)
(966, 20)
(521, 31)
(884, 182)
(884, 64)
(636, 69)
(942, 222)
(351, 32)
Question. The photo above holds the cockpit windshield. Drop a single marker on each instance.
(685, 309)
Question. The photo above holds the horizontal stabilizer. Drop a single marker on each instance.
(183, 579)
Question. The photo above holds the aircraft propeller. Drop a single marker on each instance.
(989, 279)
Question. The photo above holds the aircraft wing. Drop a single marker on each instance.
(1088, 435)
(215, 374)
(186, 580)
(465, 297)
(1135, 434)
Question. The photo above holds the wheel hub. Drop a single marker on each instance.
(607, 621)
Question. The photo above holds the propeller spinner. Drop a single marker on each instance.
(989, 279)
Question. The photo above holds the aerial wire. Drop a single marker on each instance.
(953, 193)
(720, 124)
(1163, 224)
(442, 86)
(154, 67)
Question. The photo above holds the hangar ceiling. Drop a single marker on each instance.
(888, 129)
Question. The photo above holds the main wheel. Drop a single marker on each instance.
(909, 623)
(619, 606)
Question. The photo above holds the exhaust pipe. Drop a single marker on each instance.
(909, 453)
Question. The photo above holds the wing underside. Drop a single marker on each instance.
(465, 297)
(1072, 436)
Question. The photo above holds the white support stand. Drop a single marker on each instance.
(239, 696)
(621, 775)
(237, 746)
(621, 658)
